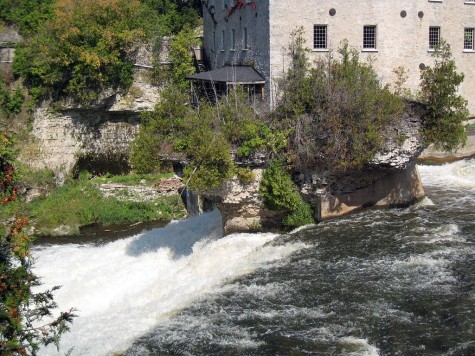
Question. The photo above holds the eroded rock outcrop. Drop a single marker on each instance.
(241, 205)
(390, 179)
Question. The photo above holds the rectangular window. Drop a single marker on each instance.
(470, 1)
(223, 40)
(233, 39)
(434, 37)
(214, 41)
(320, 37)
(468, 39)
(244, 39)
(369, 37)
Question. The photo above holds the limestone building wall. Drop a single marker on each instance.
(402, 34)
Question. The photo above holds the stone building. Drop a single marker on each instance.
(391, 33)
(8, 40)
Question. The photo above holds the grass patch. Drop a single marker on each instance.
(80, 203)
(37, 177)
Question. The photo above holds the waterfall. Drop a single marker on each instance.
(124, 288)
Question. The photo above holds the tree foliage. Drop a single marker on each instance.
(443, 124)
(87, 46)
(279, 192)
(7, 169)
(83, 50)
(204, 136)
(337, 108)
(22, 312)
(11, 101)
(28, 15)
(180, 55)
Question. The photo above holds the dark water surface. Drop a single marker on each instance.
(391, 282)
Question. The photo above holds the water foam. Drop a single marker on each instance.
(460, 174)
(125, 288)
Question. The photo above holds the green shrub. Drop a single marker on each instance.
(279, 192)
(245, 175)
(181, 56)
(11, 102)
(204, 136)
(161, 131)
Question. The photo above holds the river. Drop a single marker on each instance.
(381, 282)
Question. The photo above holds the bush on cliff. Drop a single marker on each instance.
(338, 109)
(279, 192)
(204, 136)
(446, 109)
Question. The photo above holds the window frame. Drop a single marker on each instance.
(223, 41)
(373, 39)
(316, 37)
(471, 42)
(433, 44)
(233, 39)
(245, 40)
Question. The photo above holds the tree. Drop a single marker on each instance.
(83, 50)
(88, 46)
(446, 109)
(181, 56)
(22, 312)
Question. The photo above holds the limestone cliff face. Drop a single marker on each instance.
(390, 179)
(80, 139)
(68, 136)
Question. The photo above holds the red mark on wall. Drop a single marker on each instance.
(240, 4)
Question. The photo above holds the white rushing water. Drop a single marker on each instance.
(123, 289)
(457, 175)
